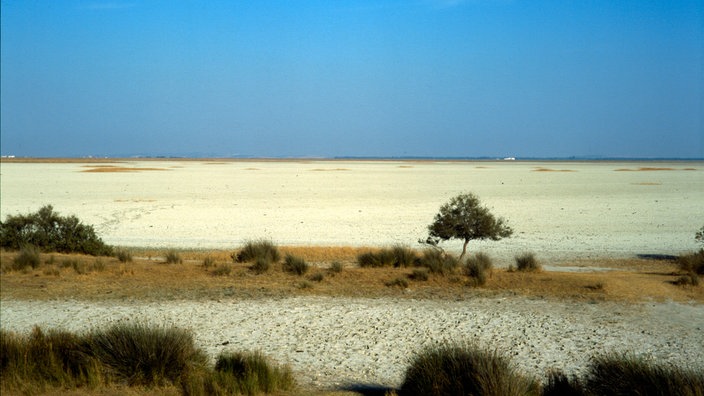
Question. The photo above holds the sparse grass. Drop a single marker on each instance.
(336, 267)
(294, 265)
(693, 262)
(254, 250)
(316, 277)
(222, 270)
(527, 262)
(208, 262)
(690, 279)
(397, 282)
(397, 256)
(261, 265)
(173, 257)
(250, 373)
(464, 370)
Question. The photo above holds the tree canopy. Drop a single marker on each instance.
(464, 218)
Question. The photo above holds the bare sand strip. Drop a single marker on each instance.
(332, 342)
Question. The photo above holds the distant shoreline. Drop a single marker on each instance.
(12, 159)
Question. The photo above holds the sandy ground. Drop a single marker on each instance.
(338, 342)
(560, 210)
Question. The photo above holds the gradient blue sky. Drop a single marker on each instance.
(353, 78)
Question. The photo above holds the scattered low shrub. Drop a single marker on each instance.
(251, 373)
(27, 258)
(693, 262)
(626, 374)
(50, 232)
(527, 262)
(404, 256)
(316, 277)
(464, 370)
(335, 267)
(123, 255)
(222, 270)
(558, 384)
(478, 267)
(295, 265)
(172, 257)
(690, 279)
(261, 265)
(254, 250)
(437, 262)
(142, 354)
(208, 262)
(397, 256)
(419, 274)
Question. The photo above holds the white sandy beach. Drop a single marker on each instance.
(559, 210)
(335, 342)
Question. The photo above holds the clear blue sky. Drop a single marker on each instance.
(517, 78)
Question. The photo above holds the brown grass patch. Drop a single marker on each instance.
(329, 169)
(541, 169)
(647, 184)
(645, 169)
(147, 278)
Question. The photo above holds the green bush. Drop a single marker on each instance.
(50, 232)
(404, 256)
(397, 256)
(625, 374)
(27, 258)
(464, 370)
(478, 267)
(437, 262)
(295, 265)
(254, 250)
(527, 262)
(146, 355)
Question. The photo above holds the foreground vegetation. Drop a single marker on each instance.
(164, 360)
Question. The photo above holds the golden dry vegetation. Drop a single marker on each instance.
(148, 277)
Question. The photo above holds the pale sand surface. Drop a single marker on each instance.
(577, 210)
(332, 342)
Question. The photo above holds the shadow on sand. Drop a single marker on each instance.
(658, 257)
(367, 389)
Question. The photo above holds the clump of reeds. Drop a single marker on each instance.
(438, 262)
(464, 370)
(295, 265)
(396, 256)
(527, 262)
(173, 257)
(27, 258)
(255, 250)
(478, 267)
(123, 255)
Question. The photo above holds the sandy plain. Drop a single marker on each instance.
(559, 210)
(563, 211)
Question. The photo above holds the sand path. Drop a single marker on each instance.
(333, 342)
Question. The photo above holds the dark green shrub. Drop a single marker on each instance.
(628, 375)
(693, 262)
(172, 257)
(146, 355)
(478, 267)
(123, 255)
(419, 274)
(261, 265)
(251, 373)
(437, 262)
(50, 232)
(527, 262)
(254, 250)
(295, 265)
(27, 258)
(381, 258)
(464, 370)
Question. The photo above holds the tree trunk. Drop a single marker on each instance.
(464, 249)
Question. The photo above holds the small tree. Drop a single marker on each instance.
(464, 218)
(699, 236)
